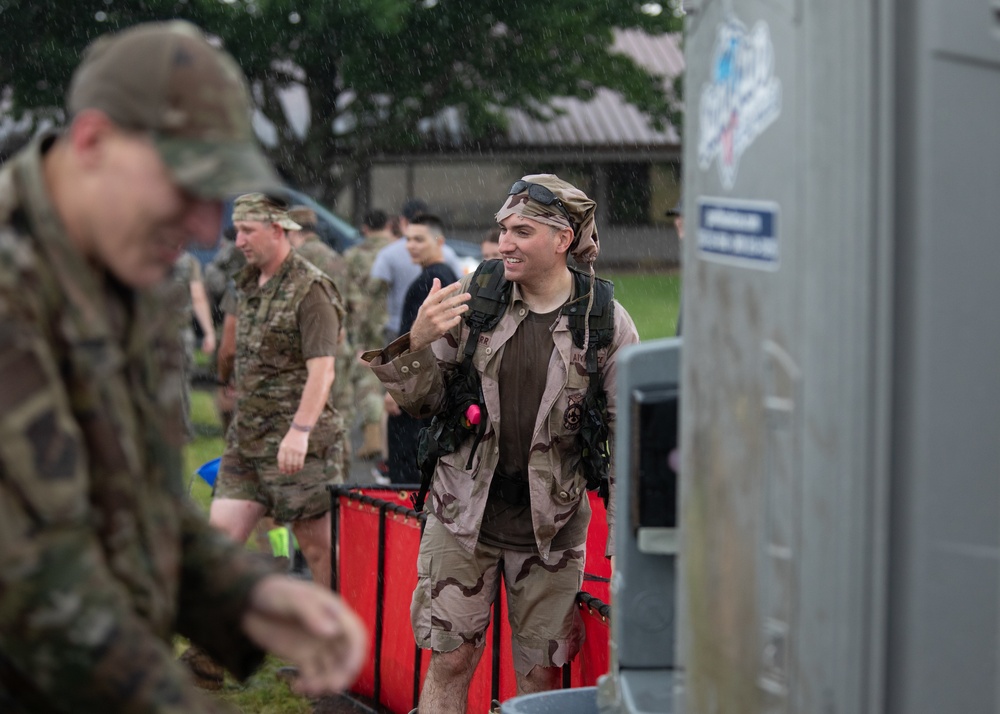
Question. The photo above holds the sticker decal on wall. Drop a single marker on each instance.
(742, 99)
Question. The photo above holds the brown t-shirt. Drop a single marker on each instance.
(523, 374)
(319, 324)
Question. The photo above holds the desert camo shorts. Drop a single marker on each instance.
(287, 497)
(455, 589)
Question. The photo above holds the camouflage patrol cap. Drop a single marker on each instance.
(165, 78)
(263, 208)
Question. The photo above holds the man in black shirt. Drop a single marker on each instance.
(425, 244)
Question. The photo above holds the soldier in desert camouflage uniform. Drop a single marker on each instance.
(366, 303)
(285, 445)
(521, 511)
(312, 248)
(102, 556)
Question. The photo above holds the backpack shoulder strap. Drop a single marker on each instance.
(490, 292)
(602, 312)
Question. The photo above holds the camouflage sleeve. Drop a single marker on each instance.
(69, 632)
(416, 380)
(217, 572)
(365, 301)
(369, 313)
(625, 334)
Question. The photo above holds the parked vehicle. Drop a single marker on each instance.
(336, 232)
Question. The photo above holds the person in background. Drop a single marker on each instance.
(677, 213)
(489, 247)
(103, 558)
(365, 299)
(393, 267)
(225, 358)
(309, 245)
(186, 281)
(284, 445)
(425, 243)
(511, 503)
(225, 263)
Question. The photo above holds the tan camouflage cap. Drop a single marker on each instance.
(263, 208)
(580, 208)
(165, 78)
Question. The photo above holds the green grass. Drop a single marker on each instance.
(264, 693)
(207, 444)
(652, 299)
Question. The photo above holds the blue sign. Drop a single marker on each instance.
(743, 233)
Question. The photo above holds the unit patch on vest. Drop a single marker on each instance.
(574, 413)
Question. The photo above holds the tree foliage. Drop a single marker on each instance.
(375, 71)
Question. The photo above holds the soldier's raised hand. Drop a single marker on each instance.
(441, 311)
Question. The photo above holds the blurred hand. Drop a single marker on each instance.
(391, 407)
(309, 627)
(208, 344)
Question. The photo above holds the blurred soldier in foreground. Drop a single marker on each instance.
(102, 557)
(537, 341)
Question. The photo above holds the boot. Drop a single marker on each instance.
(207, 674)
(372, 441)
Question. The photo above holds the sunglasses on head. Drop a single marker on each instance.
(541, 194)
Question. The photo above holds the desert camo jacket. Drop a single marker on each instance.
(556, 483)
(102, 555)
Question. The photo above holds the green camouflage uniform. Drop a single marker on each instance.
(271, 376)
(332, 264)
(227, 261)
(102, 556)
(178, 291)
(366, 314)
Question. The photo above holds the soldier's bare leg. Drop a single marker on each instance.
(539, 679)
(313, 536)
(446, 687)
(234, 517)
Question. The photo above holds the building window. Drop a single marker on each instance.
(628, 194)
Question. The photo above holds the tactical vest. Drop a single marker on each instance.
(491, 295)
(270, 366)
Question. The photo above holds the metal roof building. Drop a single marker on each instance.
(604, 145)
(607, 120)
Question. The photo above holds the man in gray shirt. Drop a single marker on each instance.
(394, 266)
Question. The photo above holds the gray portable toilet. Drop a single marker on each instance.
(840, 420)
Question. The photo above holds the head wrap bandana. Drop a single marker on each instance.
(585, 246)
(260, 207)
